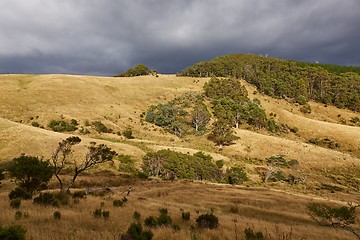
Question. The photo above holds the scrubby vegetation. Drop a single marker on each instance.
(168, 164)
(138, 70)
(329, 84)
(62, 125)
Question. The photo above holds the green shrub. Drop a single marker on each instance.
(208, 220)
(19, 192)
(79, 194)
(14, 232)
(97, 213)
(57, 215)
(150, 221)
(219, 163)
(305, 109)
(52, 199)
(106, 214)
(136, 215)
(185, 216)
(235, 175)
(101, 128)
(300, 99)
(136, 232)
(61, 126)
(15, 203)
(35, 124)
(18, 215)
(175, 227)
(251, 235)
(118, 203)
(164, 218)
(128, 133)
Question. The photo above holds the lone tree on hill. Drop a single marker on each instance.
(337, 217)
(138, 70)
(31, 173)
(97, 154)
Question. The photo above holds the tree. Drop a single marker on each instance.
(338, 217)
(32, 173)
(222, 133)
(200, 116)
(97, 154)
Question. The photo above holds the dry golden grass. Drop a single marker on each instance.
(118, 103)
(271, 212)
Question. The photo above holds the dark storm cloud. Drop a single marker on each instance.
(106, 37)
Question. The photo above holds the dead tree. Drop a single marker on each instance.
(97, 154)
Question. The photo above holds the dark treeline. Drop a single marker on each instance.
(326, 83)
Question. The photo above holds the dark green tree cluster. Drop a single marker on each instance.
(138, 70)
(232, 107)
(329, 84)
(63, 126)
(181, 116)
(168, 164)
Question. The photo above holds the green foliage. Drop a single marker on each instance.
(31, 173)
(19, 192)
(330, 84)
(106, 214)
(136, 232)
(14, 232)
(235, 175)
(52, 199)
(118, 203)
(251, 235)
(62, 126)
(168, 164)
(136, 215)
(328, 215)
(231, 88)
(35, 124)
(138, 70)
(127, 164)
(57, 215)
(222, 133)
(97, 213)
(185, 216)
(208, 220)
(305, 109)
(150, 221)
(79, 194)
(280, 161)
(219, 163)
(15, 203)
(100, 127)
(128, 133)
(324, 142)
(300, 99)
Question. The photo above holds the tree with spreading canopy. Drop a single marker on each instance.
(96, 155)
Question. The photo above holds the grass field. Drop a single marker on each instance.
(273, 208)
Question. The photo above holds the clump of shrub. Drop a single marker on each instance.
(127, 164)
(35, 124)
(305, 109)
(280, 161)
(136, 215)
(136, 232)
(63, 126)
(128, 133)
(57, 215)
(51, 199)
(19, 192)
(13, 232)
(118, 203)
(15, 203)
(79, 194)
(185, 216)
(324, 142)
(100, 127)
(251, 235)
(235, 175)
(162, 220)
(98, 213)
(208, 220)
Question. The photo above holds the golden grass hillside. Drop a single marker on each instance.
(275, 208)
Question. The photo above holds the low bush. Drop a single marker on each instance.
(128, 133)
(185, 216)
(208, 220)
(251, 235)
(136, 215)
(57, 215)
(235, 175)
(19, 192)
(18, 215)
(150, 221)
(136, 232)
(101, 128)
(62, 126)
(79, 194)
(118, 203)
(15, 203)
(14, 232)
(50, 199)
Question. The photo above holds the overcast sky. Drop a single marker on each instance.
(107, 37)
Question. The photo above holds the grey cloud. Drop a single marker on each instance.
(106, 37)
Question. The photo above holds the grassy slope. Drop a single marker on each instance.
(118, 102)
